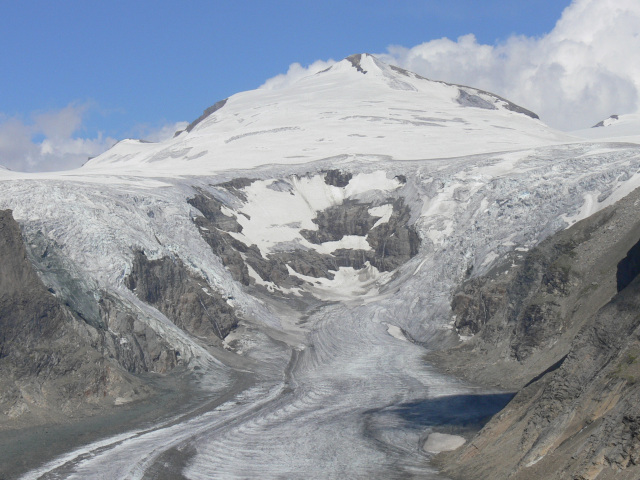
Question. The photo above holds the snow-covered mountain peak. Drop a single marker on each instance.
(363, 63)
(359, 107)
(608, 121)
(617, 128)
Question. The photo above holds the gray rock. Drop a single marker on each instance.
(468, 100)
(337, 178)
(209, 111)
(53, 364)
(355, 61)
(183, 297)
(349, 218)
(561, 326)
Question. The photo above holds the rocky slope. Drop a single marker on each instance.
(561, 324)
(49, 356)
(70, 349)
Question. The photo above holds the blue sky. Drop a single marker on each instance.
(88, 72)
(142, 62)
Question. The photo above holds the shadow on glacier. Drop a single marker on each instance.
(467, 410)
(462, 411)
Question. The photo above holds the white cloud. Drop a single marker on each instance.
(585, 69)
(158, 134)
(296, 72)
(48, 143)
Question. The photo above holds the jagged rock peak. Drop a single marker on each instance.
(365, 63)
(356, 60)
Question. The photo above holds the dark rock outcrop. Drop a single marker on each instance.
(236, 186)
(355, 61)
(29, 314)
(337, 178)
(601, 123)
(208, 111)
(183, 297)
(214, 227)
(392, 243)
(349, 218)
(469, 100)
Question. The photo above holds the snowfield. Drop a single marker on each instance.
(383, 113)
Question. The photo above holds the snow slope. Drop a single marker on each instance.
(359, 106)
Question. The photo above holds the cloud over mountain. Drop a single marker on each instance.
(54, 140)
(577, 74)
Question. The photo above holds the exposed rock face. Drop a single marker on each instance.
(338, 178)
(392, 242)
(468, 100)
(119, 331)
(214, 227)
(22, 295)
(50, 360)
(528, 309)
(183, 297)
(601, 123)
(350, 218)
(209, 111)
(134, 344)
(355, 61)
(580, 420)
(562, 322)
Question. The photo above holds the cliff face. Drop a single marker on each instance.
(561, 325)
(181, 296)
(50, 360)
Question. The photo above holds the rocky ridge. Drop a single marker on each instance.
(560, 324)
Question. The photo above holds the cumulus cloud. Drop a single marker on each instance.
(579, 73)
(158, 134)
(51, 140)
(582, 71)
(47, 142)
(296, 72)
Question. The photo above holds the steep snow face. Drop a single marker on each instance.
(359, 106)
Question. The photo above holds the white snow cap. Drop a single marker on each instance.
(359, 106)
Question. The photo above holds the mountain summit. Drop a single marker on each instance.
(359, 106)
